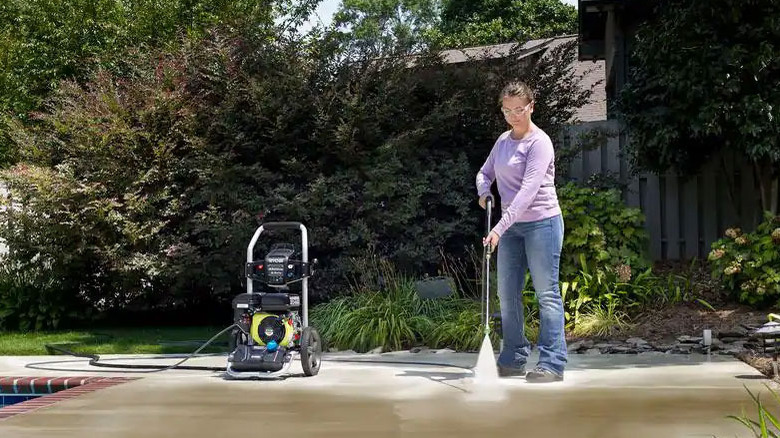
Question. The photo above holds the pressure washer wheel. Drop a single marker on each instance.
(311, 351)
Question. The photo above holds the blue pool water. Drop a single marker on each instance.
(10, 399)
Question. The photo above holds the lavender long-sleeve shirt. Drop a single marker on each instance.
(525, 174)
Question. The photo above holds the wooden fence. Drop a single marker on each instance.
(684, 215)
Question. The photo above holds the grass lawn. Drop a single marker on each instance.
(115, 341)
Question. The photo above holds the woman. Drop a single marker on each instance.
(530, 233)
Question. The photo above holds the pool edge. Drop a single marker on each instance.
(54, 389)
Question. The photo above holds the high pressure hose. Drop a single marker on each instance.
(94, 360)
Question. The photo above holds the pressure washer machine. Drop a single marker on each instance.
(272, 322)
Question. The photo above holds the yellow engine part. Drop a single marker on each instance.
(275, 321)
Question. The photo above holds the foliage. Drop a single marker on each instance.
(601, 321)
(601, 301)
(369, 320)
(683, 103)
(393, 316)
(387, 26)
(602, 230)
(151, 182)
(45, 41)
(30, 300)
(767, 425)
(416, 25)
(748, 264)
(461, 331)
(484, 22)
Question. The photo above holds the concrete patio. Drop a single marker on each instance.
(604, 396)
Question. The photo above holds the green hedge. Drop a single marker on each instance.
(142, 188)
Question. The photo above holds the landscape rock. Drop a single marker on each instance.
(637, 342)
(587, 344)
(733, 332)
(716, 344)
(608, 348)
(377, 350)
(684, 344)
(682, 349)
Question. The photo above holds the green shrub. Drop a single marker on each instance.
(369, 320)
(45, 41)
(601, 301)
(29, 300)
(384, 310)
(600, 228)
(397, 319)
(142, 189)
(748, 264)
(601, 320)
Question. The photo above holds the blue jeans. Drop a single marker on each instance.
(535, 246)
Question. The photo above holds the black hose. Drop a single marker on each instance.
(94, 360)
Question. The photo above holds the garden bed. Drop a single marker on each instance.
(679, 329)
(691, 319)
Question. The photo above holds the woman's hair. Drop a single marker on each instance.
(517, 89)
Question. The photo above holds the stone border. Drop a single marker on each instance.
(731, 342)
(51, 390)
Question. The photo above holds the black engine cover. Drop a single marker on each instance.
(253, 358)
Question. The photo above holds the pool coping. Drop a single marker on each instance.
(51, 390)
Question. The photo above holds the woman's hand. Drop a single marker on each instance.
(491, 241)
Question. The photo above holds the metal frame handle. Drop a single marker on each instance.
(304, 252)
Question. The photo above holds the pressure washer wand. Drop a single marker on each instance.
(486, 369)
(486, 257)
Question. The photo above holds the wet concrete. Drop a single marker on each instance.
(602, 396)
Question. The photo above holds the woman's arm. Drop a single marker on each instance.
(486, 174)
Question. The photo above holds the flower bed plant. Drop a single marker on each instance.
(748, 264)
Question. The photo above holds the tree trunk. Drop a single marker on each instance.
(768, 186)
